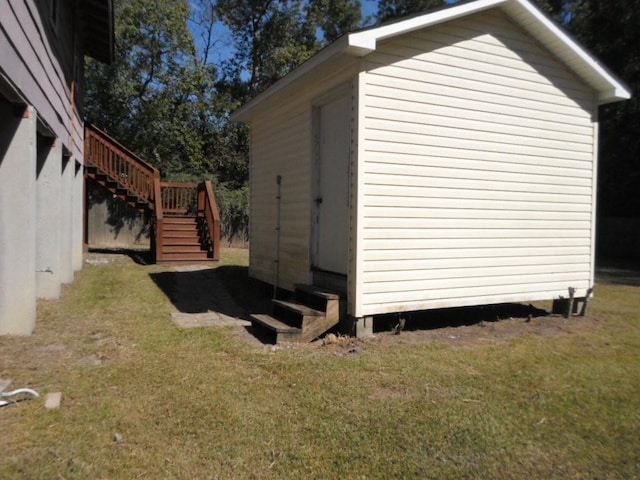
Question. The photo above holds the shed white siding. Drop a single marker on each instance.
(476, 170)
(282, 144)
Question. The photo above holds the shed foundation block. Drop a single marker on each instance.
(357, 326)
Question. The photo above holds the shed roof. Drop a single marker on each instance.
(522, 12)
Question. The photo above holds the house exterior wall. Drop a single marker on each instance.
(41, 62)
(476, 171)
(282, 144)
(42, 58)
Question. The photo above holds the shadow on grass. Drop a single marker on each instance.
(230, 291)
(618, 273)
(225, 289)
(457, 317)
(141, 257)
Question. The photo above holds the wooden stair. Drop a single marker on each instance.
(184, 217)
(117, 188)
(311, 312)
(182, 241)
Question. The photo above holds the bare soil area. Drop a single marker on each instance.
(462, 333)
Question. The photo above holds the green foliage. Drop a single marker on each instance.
(234, 211)
(394, 9)
(611, 30)
(170, 100)
(147, 98)
(270, 38)
(336, 17)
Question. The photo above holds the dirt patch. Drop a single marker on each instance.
(465, 334)
(495, 331)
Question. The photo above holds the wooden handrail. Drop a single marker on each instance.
(208, 207)
(179, 198)
(95, 130)
(132, 173)
(159, 217)
(120, 163)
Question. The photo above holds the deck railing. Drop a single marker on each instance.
(163, 199)
(197, 200)
(209, 212)
(120, 163)
(179, 198)
(158, 220)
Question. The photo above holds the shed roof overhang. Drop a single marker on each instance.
(358, 44)
(98, 29)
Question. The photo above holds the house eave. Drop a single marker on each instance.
(98, 29)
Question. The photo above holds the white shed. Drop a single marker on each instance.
(447, 159)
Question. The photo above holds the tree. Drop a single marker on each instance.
(394, 9)
(335, 17)
(611, 30)
(147, 97)
(271, 38)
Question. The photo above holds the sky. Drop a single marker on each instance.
(224, 46)
(369, 7)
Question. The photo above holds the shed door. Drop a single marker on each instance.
(332, 190)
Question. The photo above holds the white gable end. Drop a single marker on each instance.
(476, 166)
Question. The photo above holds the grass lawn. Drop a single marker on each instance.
(142, 398)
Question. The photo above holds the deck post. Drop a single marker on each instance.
(49, 193)
(66, 218)
(18, 210)
(77, 206)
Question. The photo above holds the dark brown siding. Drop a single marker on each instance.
(40, 58)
